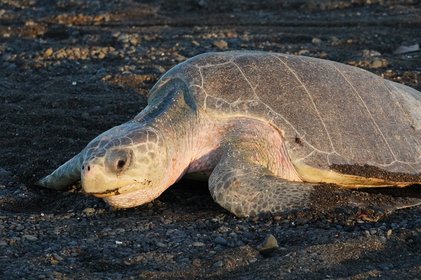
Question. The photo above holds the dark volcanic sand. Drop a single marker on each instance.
(70, 70)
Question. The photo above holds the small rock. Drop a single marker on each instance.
(48, 52)
(179, 57)
(221, 241)
(370, 53)
(316, 41)
(303, 52)
(102, 55)
(223, 229)
(134, 41)
(323, 54)
(160, 244)
(89, 211)
(252, 260)
(373, 231)
(220, 44)
(57, 257)
(389, 233)
(30, 237)
(198, 244)
(218, 264)
(196, 262)
(161, 69)
(378, 63)
(269, 245)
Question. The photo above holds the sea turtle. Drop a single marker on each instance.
(265, 127)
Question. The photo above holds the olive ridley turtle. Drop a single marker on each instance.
(266, 127)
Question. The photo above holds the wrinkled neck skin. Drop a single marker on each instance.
(177, 129)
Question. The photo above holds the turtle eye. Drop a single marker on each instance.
(120, 164)
(118, 160)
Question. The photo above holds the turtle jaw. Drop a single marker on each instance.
(121, 191)
(133, 198)
(128, 196)
(138, 186)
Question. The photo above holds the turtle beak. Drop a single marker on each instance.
(94, 181)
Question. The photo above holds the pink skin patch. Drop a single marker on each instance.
(267, 142)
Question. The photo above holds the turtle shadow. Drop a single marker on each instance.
(345, 207)
(413, 191)
(32, 199)
(386, 199)
(187, 196)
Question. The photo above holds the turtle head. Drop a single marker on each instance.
(127, 165)
(133, 163)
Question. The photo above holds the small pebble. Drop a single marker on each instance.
(252, 260)
(160, 244)
(198, 244)
(379, 63)
(220, 44)
(373, 231)
(102, 55)
(268, 246)
(218, 264)
(316, 41)
(89, 211)
(30, 237)
(48, 52)
(221, 241)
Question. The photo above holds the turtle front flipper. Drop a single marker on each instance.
(255, 175)
(247, 189)
(64, 176)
